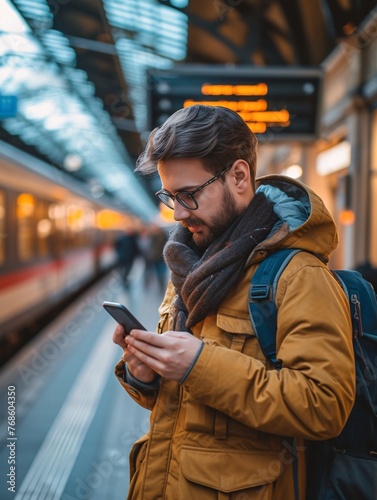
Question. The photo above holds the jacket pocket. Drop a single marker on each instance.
(230, 473)
(239, 335)
(137, 454)
(234, 324)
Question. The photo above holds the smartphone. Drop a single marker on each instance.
(123, 316)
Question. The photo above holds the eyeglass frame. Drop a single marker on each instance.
(191, 194)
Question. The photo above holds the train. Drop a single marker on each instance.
(55, 240)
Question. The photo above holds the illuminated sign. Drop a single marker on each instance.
(278, 104)
(8, 106)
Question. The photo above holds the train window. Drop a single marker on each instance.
(81, 221)
(58, 216)
(2, 228)
(25, 226)
(44, 229)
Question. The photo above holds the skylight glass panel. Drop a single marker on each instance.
(155, 36)
(172, 15)
(169, 50)
(123, 15)
(26, 81)
(5, 75)
(58, 47)
(10, 19)
(120, 21)
(19, 44)
(35, 10)
(134, 61)
(170, 34)
(31, 135)
(14, 125)
(180, 4)
(38, 109)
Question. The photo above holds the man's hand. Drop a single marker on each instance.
(170, 354)
(139, 370)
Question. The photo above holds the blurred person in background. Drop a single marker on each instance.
(151, 243)
(221, 413)
(127, 249)
(368, 272)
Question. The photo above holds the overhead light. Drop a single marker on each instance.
(72, 162)
(347, 217)
(293, 171)
(334, 159)
(44, 228)
(96, 188)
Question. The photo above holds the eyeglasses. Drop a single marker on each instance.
(186, 198)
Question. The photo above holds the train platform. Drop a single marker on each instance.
(68, 425)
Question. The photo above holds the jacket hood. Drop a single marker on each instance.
(304, 221)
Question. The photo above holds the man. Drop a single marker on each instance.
(221, 415)
(127, 251)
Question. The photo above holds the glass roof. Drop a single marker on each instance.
(58, 112)
(148, 35)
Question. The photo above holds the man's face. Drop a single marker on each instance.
(217, 205)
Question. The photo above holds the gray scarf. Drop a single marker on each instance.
(203, 281)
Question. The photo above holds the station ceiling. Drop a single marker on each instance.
(242, 32)
(100, 50)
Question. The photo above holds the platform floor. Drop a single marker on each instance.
(74, 423)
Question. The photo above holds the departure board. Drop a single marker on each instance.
(277, 103)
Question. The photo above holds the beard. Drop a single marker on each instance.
(216, 224)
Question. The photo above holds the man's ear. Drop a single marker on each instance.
(241, 176)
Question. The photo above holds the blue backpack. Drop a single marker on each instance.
(344, 467)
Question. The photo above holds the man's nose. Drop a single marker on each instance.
(180, 212)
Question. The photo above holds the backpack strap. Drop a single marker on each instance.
(262, 295)
(263, 316)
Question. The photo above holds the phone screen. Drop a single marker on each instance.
(123, 316)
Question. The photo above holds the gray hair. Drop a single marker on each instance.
(216, 135)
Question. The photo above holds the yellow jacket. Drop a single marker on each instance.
(221, 434)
